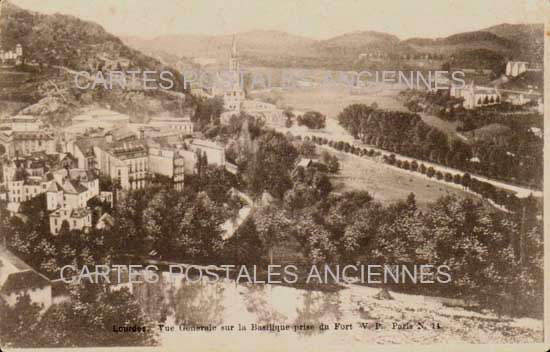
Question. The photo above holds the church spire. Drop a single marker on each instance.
(234, 59)
(234, 52)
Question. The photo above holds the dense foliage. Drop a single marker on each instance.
(86, 324)
(519, 160)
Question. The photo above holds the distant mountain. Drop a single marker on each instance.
(361, 42)
(487, 48)
(529, 38)
(519, 32)
(251, 44)
(511, 41)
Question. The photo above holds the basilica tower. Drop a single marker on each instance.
(234, 59)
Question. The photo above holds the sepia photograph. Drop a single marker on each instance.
(265, 175)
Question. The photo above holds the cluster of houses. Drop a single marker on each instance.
(65, 168)
(475, 96)
(516, 68)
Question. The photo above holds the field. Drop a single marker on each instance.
(388, 184)
(330, 102)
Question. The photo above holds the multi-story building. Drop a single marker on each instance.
(515, 68)
(169, 163)
(67, 196)
(22, 168)
(215, 153)
(24, 190)
(126, 163)
(182, 124)
(70, 194)
(21, 123)
(82, 149)
(18, 143)
(76, 219)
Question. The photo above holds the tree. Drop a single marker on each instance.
(307, 149)
(198, 233)
(332, 163)
(269, 170)
(457, 179)
(84, 325)
(272, 227)
(18, 324)
(246, 247)
(466, 179)
(207, 112)
(312, 120)
(430, 172)
(316, 240)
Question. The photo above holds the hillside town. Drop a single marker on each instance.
(306, 175)
(66, 166)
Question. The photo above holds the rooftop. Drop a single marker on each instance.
(73, 187)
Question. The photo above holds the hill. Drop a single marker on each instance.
(462, 41)
(63, 44)
(528, 38)
(360, 42)
(524, 82)
(251, 44)
(487, 48)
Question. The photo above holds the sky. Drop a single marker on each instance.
(318, 19)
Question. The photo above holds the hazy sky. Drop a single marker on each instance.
(313, 18)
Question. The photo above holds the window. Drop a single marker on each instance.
(74, 223)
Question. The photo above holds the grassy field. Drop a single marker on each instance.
(330, 102)
(386, 183)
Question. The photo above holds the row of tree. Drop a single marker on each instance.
(519, 160)
(486, 190)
